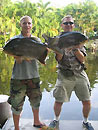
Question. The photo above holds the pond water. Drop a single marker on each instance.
(48, 75)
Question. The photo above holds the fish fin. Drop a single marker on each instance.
(43, 57)
(45, 37)
(50, 40)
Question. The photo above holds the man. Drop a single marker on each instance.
(25, 81)
(71, 77)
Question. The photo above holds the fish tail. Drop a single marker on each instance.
(43, 57)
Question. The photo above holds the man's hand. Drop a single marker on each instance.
(18, 59)
(58, 56)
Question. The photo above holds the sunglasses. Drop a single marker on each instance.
(66, 23)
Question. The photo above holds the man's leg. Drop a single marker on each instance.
(36, 116)
(86, 111)
(86, 108)
(37, 122)
(16, 121)
(57, 109)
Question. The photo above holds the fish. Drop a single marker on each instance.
(26, 48)
(66, 40)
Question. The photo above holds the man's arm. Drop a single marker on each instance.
(79, 55)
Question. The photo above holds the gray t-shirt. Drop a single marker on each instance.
(25, 70)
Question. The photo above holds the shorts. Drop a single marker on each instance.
(19, 89)
(66, 84)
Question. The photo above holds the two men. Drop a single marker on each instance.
(71, 77)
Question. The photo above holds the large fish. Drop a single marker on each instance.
(65, 40)
(27, 48)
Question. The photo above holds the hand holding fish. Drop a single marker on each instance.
(18, 59)
(58, 56)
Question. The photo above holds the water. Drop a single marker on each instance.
(71, 110)
(3, 98)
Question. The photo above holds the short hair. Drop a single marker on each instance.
(67, 16)
(26, 16)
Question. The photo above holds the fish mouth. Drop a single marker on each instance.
(5, 51)
(8, 53)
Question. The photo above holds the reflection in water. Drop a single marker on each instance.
(94, 96)
(71, 110)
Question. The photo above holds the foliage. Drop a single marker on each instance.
(46, 19)
(5, 72)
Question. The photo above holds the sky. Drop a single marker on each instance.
(59, 3)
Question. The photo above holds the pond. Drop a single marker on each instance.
(48, 77)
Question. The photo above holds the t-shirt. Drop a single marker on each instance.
(25, 70)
